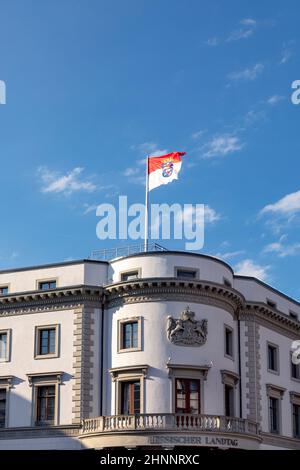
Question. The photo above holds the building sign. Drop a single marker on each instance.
(203, 440)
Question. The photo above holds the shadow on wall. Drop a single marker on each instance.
(19, 414)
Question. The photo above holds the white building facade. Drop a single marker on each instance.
(153, 350)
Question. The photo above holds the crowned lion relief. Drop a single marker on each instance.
(186, 330)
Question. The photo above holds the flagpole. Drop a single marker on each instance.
(146, 205)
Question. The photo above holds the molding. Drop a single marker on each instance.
(173, 368)
(230, 378)
(295, 398)
(280, 441)
(272, 319)
(116, 372)
(173, 289)
(6, 381)
(275, 391)
(49, 300)
(40, 432)
(42, 377)
(253, 370)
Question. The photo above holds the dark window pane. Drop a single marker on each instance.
(2, 407)
(186, 274)
(3, 290)
(45, 405)
(296, 420)
(47, 341)
(130, 335)
(3, 345)
(274, 415)
(130, 397)
(229, 401)
(228, 342)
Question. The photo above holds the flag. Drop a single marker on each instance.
(163, 169)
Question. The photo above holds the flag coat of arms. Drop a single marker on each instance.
(163, 169)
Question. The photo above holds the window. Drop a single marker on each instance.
(271, 303)
(4, 345)
(293, 315)
(2, 407)
(229, 400)
(130, 398)
(3, 290)
(272, 358)
(228, 342)
(46, 342)
(129, 276)
(187, 396)
(45, 405)
(227, 283)
(186, 273)
(45, 285)
(295, 370)
(274, 414)
(130, 334)
(296, 421)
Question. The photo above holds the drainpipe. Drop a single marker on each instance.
(240, 366)
(102, 358)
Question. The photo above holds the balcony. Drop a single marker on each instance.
(153, 429)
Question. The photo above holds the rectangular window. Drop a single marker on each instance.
(272, 358)
(4, 290)
(295, 370)
(228, 342)
(3, 345)
(130, 397)
(271, 303)
(45, 285)
(130, 335)
(227, 283)
(274, 414)
(229, 400)
(45, 405)
(296, 421)
(129, 276)
(293, 315)
(187, 398)
(46, 341)
(186, 273)
(2, 407)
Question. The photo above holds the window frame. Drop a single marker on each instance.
(232, 403)
(195, 271)
(272, 430)
(38, 329)
(231, 330)
(7, 358)
(128, 374)
(37, 380)
(4, 286)
(271, 303)
(129, 272)
(6, 384)
(187, 379)
(44, 281)
(277, 358)
(121, 324)
(297, 379)
(275, 392)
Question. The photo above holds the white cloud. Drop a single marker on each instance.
(136, 174)
(210, 215)
(197, 135)
(221, 145)
(54, 182)
(240, 34)
(212, 42)
(275, 99)
(282, 249)
(230, 254)
(287, 206)
(131, 171)
(89, 208)
(248, 22)
(247, 267)
(248, 74)
(286, 55)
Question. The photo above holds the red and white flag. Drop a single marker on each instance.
(163, 169)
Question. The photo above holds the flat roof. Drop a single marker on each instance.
(52, 265)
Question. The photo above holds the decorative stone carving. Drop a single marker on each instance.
(186, 330)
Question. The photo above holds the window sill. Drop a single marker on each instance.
(274, 372)
(121, 351)
(46, 356)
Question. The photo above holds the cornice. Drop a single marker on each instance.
(54, 299)
(173, 289)
(270, 317)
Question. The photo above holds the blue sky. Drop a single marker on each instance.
(94, 86)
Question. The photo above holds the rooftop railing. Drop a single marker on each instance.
(122, 251)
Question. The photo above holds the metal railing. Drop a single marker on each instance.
(111, 253)
(169, 422)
